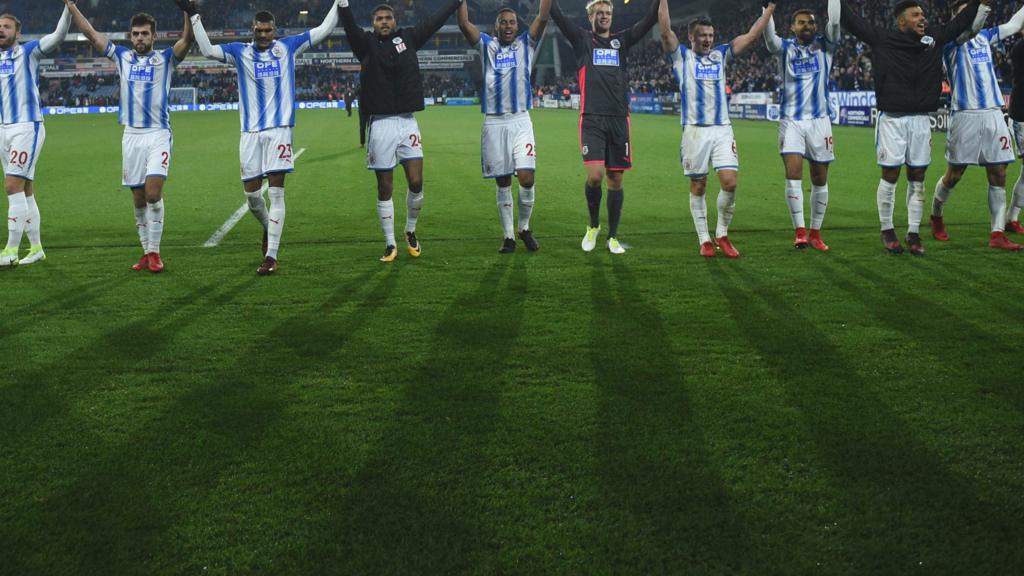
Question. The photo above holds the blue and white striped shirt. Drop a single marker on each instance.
(506, 72)
(702, 85)
(145, 83)
(805, 72)
(266, 81)
(972, 76)
(19, 90)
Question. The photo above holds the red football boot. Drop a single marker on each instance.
(142, 264)
(939, 229)
(999, 241)
(800, 240)
(816, 242)
(727, 248)
(707, 249)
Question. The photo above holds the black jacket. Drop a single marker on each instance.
(391, 80)
(907, 67)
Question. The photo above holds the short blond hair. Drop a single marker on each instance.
(17, 23)
(592, 3)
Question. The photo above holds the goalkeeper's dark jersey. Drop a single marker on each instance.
(601, 62)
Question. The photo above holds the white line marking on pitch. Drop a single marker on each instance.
(238, 215)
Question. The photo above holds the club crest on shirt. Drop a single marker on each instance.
(586, 150)
(715, 56)
(277, 51)
(616, 44)
(928, 41)
(156, 59)
(399, 44)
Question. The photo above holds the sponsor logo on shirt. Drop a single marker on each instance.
(6, 67)
(140, 73)
(504, 59)
(606, 57)
(804, 66)
(979, 55)
(266, 70)
(704, 71)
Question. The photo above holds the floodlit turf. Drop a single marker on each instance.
(469, 412)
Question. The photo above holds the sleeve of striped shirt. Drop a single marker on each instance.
(51, 41)
(726, 51)
(1014, 25)
(170, 58)
(299, 43)
(111, 51)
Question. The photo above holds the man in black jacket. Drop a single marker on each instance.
(391, 90)
(601, 57)
(908, 84)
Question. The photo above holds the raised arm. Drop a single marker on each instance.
(771, 39)
(469, 30)
(50, 42)
(641, 28)
(356, 36)
(832, 27)
(540, 22)
(740, 43)
(1012, 26)
(428, 27)
(952, 30)
(98, 40)
(208, 49)
(321, 32)
(857, 26)
(979, 22)
(188, 38)
(669, 40)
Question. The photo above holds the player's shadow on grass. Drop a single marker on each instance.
(897, 503)
(664, 499)
(117, 512)
(78, 297)
(939, 330)
(418, 503)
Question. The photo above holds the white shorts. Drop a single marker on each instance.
(978, 137)
(20, 145)
(266, 152)
(1018, 134)
(145, 153)
(392, 139)
(811, 139)
(507, 145)
(904, 139)
(704, 144)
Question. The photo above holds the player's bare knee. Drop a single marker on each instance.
(891, 175)
(915, 174)
(505, 181)
(698, 186)
(526, 179)
(15, 185)
(996, 175)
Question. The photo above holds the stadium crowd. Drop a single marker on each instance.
(650, 71)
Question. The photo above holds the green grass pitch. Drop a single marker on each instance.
(467, 412)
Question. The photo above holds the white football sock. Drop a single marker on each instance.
(275, 220)
(997, 207)
(819, 204)
(413, 204)
(504, 198)
(386, 213)
(942, 193)
(795, 200)
(1018, 198)
(155, 224)
(915, 206)
(140, 226)
(17, 213)
(699, 211)
(886, 199)
(32, 222)
(726, 208)
(526, 200)
(257, 206)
